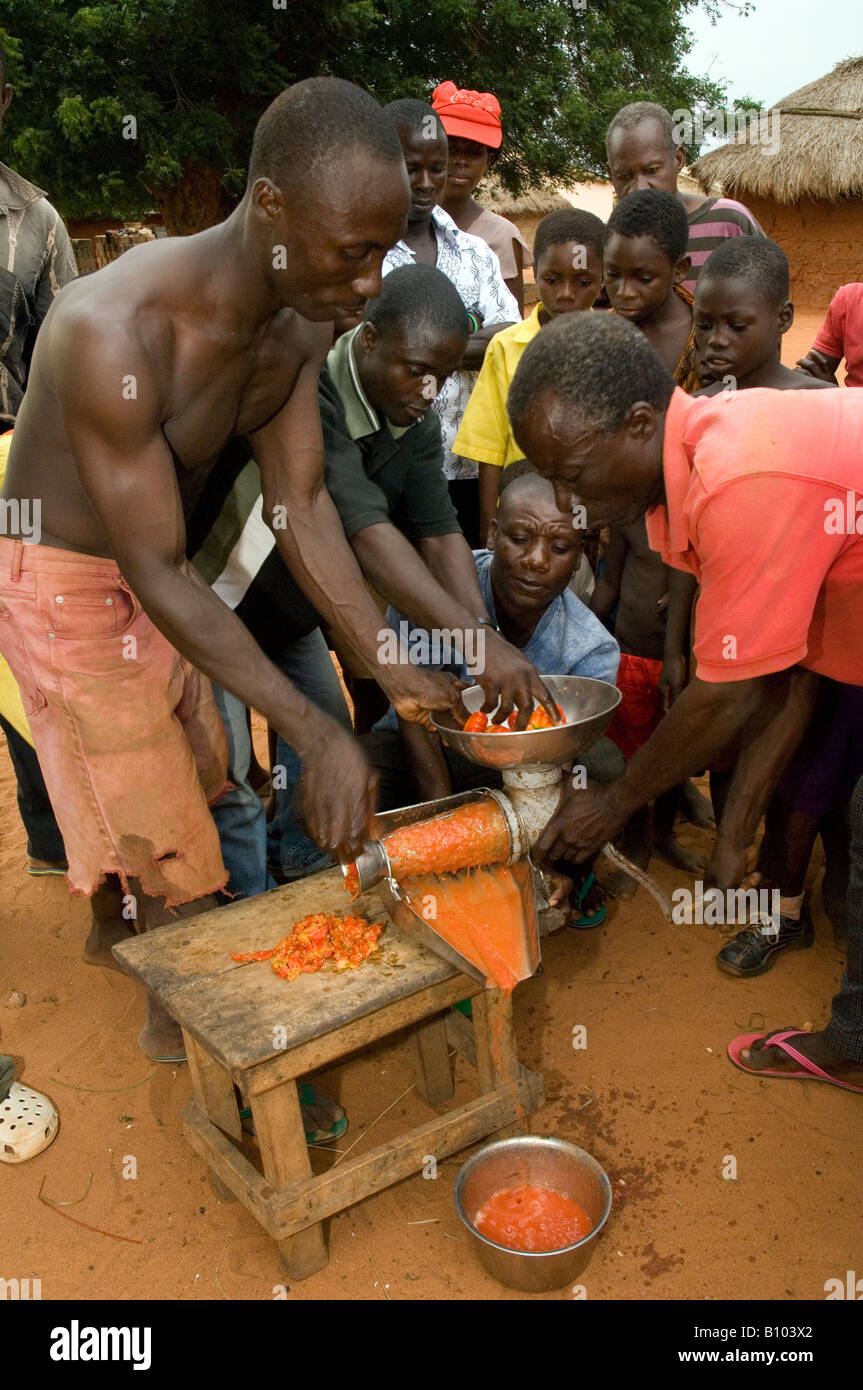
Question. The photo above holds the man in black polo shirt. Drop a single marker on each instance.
(383, 471)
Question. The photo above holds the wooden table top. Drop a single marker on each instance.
(234, 1008)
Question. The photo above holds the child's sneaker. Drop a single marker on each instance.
(754, 950)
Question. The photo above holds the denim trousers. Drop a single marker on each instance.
(240, 814)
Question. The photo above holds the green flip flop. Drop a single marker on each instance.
(585, 922)
(310, 1099)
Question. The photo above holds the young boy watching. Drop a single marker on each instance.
(568, 259)
(742, 309)
(645, 262)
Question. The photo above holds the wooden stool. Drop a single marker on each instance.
(245, 1027)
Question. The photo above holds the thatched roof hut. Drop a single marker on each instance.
(802, 177)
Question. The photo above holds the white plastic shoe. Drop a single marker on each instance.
(28, 1124)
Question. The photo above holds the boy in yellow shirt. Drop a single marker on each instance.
(567, 257)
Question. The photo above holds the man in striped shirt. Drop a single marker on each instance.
(643, 153)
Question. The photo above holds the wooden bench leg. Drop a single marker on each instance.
(496, 1055)
(215, 1092)
(285, 1157)
(214, 1088)
(434, 1083)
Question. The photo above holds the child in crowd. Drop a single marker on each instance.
(840, 336)
(644, 264)
(742, 310)
(472, 123)
(568, 258)
(432, 238)
(645, 261)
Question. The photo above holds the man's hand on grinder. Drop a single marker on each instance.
(339, 791)
(510, 681)
(587, 818)
(414, 691)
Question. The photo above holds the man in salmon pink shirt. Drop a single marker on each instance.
(755, 493)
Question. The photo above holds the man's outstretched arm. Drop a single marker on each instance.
(699, 724)
(770, 713)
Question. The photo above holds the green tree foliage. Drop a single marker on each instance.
(194, 75)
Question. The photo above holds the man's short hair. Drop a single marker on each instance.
(520, 479)
(410, 116)
(597, 365)
(638, 111)
(755, 259)
(569, 224)
(653, 213)
(303, 133)
(419, 295)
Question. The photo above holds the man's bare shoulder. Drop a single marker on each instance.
(130, 297)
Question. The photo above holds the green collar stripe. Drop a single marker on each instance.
(361, 417)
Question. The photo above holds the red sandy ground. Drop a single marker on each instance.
(652, 1096)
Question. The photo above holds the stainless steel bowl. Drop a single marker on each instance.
(588, 705)
(530, 1160)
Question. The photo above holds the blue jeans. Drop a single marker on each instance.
(309, 665)
(240, 815)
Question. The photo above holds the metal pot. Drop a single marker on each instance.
(531, 1160)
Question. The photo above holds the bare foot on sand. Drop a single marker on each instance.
(812, 1046)
(671, 851)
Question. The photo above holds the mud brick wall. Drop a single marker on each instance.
(822, 240)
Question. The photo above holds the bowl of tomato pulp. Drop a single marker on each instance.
(533, 1207)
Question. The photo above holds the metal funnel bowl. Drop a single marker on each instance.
(588, 705)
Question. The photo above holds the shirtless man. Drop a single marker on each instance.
(140, 375)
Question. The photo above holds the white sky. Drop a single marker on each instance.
(779, 47)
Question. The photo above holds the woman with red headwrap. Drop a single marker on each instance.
(472, 123)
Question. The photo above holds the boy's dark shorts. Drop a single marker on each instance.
(823, 772)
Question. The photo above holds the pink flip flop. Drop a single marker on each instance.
(808, 1072)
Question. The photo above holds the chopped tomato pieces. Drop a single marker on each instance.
(320, 941)
(479, 724)
(539, 719)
